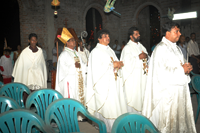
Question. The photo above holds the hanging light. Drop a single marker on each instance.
(55, 3)
(185, 15)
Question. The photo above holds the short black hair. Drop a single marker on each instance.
(187, 37)
(7, 50)
(32, 35)
(168, 26)
(101, 32)
(192, 34)
(131, 31)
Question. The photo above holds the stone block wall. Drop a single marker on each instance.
(37, 16)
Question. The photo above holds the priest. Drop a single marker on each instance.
(167, 101)
(104, 97)
(69, 76)
(135, 70)
(30, 67)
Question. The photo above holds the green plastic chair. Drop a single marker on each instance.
(192, 91)
(64, 113)
(22, 121)
(15, 91)
(41, 100)
(196, 86)
(133, 123)
(7, 104)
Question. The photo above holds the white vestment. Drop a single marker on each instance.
(134, 79)
(30, 69)
(6, 63)
(167, 101)
(67, 79)
(104, 96)
(84, 55)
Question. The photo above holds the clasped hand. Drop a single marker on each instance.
(143, 55)
(77, 65)
(118, 64)
(187, 68)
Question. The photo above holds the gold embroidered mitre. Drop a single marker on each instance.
(65, 35)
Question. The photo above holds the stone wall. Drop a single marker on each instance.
(37, 16)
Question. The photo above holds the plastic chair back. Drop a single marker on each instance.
(196, 87)
(196, 83)
(7, 104)
(21, 121)
(41, 100)
(133, 123)
(15, 91)
(64, 113)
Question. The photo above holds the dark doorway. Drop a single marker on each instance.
(154, 26)
(93, 24)
(149, 26)
(10, 24)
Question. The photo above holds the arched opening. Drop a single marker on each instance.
(11, 25)
(149, 25)
(93, 23)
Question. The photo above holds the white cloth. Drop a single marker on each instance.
(118, 48)
(167, 101)
(104, 93)
(184, 50)
(84, 55)
(193, 48)
(67, 73)
(30, 68)
(6, 63)
(134, 79)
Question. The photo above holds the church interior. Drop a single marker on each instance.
(45, 17)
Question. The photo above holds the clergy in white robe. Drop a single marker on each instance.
(104, 96)
(134, 57)
(69, 76)
(30, 67)
(82, 50)
(167, 101)
(84, 55)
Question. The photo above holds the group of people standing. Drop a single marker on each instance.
(7, 62)
(156, 87)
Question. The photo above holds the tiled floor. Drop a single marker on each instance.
(87, 127)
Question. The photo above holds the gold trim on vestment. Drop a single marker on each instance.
(80, 83)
